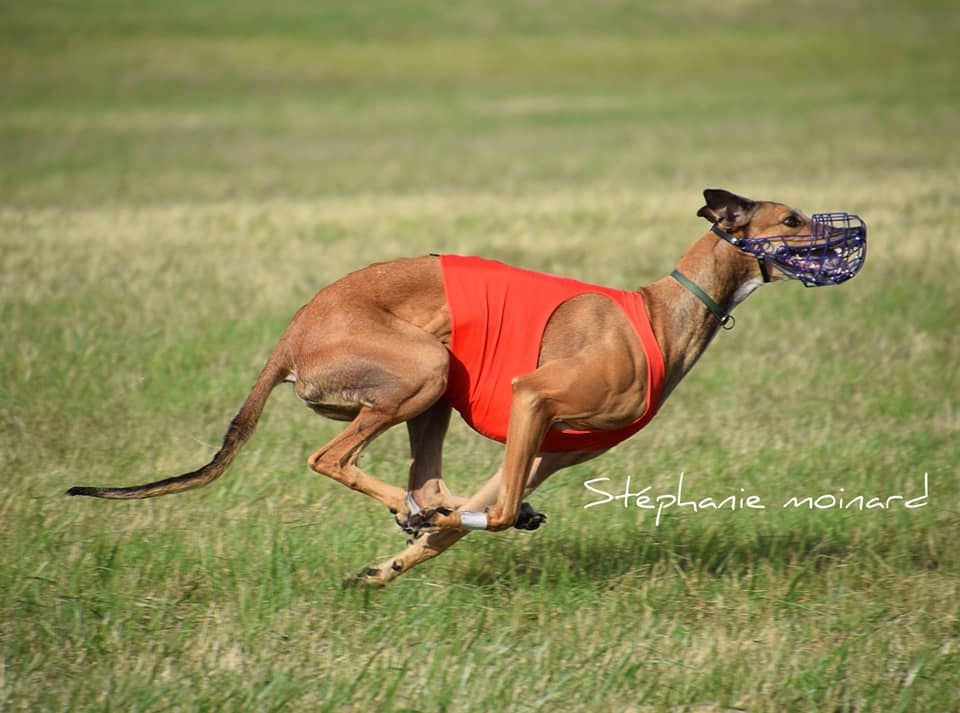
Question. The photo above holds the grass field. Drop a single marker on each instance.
(177, 178)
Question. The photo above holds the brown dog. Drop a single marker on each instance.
(374, 349)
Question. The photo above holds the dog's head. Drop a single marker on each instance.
(825, 249)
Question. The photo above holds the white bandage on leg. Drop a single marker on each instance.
(473, 520)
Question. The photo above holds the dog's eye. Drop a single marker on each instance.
(792, 221)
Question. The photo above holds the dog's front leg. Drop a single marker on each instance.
(554, 392)
(426, 491)
(537, 396)
(531, 414)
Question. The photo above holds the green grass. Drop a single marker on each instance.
(177, 178)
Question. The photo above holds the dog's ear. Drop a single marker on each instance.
(727, 209)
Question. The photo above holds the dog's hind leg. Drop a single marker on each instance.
(429, 545)
(425, 546)
(338, 458)
(379, 389)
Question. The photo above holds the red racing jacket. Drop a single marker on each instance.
(498, 315)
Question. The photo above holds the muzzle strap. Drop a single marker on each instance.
(738, 243)
(764, 271)
(735, 242)
(726, 320)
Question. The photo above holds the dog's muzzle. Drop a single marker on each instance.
(832, 252)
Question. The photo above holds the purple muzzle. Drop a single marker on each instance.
(832, 252)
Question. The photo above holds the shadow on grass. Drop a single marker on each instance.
(712, 551)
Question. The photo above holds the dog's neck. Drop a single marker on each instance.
(682, 323)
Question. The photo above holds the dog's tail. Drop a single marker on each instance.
(241, 428)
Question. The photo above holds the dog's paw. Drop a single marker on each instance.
(528, 518)
(404, 524)
(425, 520)
(367, 577)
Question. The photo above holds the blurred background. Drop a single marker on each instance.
(177, 178)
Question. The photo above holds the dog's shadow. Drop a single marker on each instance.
(711, 551)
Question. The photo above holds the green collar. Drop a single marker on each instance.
(726, 320)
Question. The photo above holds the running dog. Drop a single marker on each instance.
(558, 370)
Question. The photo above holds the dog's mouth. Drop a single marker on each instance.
(832, 252)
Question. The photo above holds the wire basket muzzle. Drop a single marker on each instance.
(833, 252)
